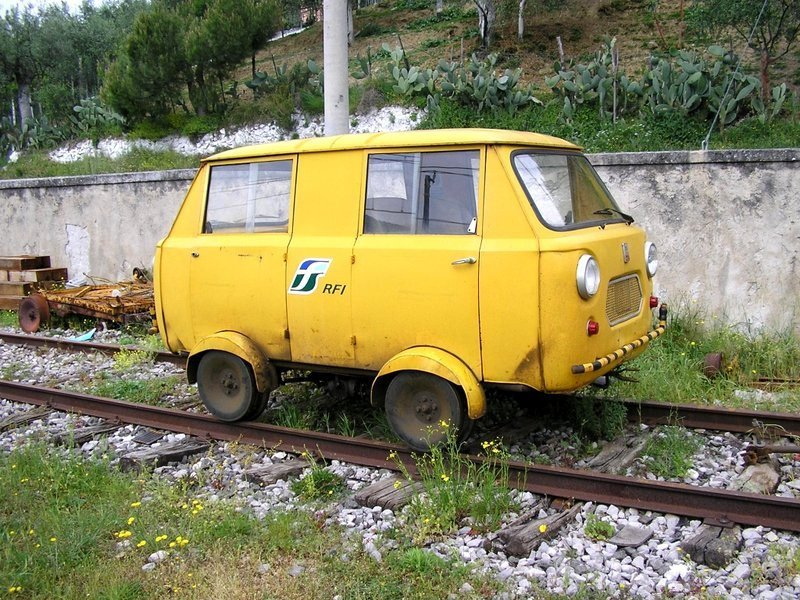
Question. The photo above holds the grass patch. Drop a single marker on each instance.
(457, 490)
(73, 528)
(669, 452)
(8, 318)
(598, 529)
(146, 391)
(130, 360)
(37, 164)
(318, 483)
(671, 369)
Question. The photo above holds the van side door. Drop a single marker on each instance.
(317, 287)
(237, 265)
(415, 270)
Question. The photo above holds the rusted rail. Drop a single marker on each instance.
(73, 346)
(720, 506)
(711, 417)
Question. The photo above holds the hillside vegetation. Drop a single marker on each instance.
(611, 75)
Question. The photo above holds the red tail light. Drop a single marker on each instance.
(593, 327)
(653, 301)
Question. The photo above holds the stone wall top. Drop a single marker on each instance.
(103, 179)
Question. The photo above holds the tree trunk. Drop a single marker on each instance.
(521, 20)
(764, 75)
(486, 18)
(351, 34)
(24, 103)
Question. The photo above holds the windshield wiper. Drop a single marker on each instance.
(608, 211)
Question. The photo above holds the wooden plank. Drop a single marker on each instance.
(23, 262)
(522, 539)
(3, 275)
(10, 302)
(269, 474)
(392, 493)
(35, 275)
(161, 455)
(80, 436)
(23, 418)
(16, 288)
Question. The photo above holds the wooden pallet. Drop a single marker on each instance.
(23, 275)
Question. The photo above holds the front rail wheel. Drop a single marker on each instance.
(227, 387)
(416, 405)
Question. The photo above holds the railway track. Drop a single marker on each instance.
(713, 505)
(651, 413)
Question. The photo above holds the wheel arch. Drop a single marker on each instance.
(436, 362)
(239, 345)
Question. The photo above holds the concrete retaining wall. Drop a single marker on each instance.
(725, 222)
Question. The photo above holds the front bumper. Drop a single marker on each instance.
(617, 355)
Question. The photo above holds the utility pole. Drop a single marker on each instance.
(334, 31)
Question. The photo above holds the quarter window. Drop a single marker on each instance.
(249, 197)
(422, 193)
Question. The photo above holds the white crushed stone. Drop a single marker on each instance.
(389, 118)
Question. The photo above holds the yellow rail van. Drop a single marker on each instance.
(435, 263)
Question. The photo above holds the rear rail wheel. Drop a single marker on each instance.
(227, 387)
(33, 313)
(421, 408)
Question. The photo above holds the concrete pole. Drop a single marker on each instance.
(334, 31)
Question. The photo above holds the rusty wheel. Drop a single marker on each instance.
(712, 364)
(33, 312)
(417, 403)
(226, 385)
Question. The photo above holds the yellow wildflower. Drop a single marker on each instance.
(397, 484)
(135, 504)
(141, 543)
(131, 520)
(31, 532)
(542, 528)
(160, 538)
(172, 544)
(53, 539)
(13, 466)
(445, 478)
(444, 424)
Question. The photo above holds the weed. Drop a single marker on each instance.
(599, 419)
(15, 371)
(127, 360)
(598, 529)
(318, 483)
(8, 318)
(669, 452)
(148, 391)
(456, 488)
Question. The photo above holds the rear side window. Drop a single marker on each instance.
(249, 198)
(422, 193)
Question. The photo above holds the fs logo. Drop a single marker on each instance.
(307, 275)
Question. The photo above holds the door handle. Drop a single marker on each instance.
(469, 260)
(195, 254)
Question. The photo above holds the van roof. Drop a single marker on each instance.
(422, 137)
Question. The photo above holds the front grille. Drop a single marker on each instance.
(624, 299)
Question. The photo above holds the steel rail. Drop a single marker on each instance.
(737, 420)
(719, 506)
(71, 345)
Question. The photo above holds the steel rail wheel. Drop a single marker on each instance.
(226, 386)
(417, 405)
(33, 313)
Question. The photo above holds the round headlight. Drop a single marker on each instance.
(651, 256)
(588, 276)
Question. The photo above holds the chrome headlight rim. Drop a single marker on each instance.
(651, 258)
(587, 276)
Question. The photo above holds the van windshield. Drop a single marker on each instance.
(565, 191)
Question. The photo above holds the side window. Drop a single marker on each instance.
(422, 193)
(250, 197)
